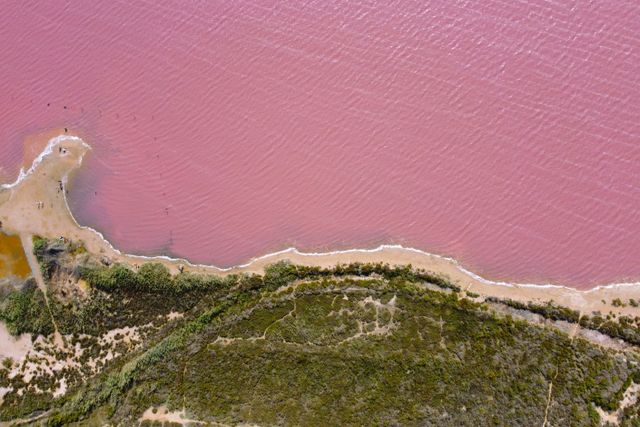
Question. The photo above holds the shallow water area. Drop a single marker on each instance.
(13, 261)
(502, 135)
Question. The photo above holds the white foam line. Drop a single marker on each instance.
(291, 250)
(47, 151)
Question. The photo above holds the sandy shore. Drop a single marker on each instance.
(36, 204)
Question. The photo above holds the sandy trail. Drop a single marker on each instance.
(27, 243)
(24, 421)
(37, 205)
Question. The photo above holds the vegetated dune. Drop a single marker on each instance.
(350, 345)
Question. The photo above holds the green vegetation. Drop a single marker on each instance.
(624, 327)
(353, 352)
(359, 344)
(155, 278)
(548, 310)
(23, 311)
(617, 302)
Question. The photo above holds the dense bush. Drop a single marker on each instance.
(548, 310)
(351, 345)
(151, 278)
(624, 327)
(156, 278)
(24, 311)
(299, 358)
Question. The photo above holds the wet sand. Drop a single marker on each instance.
(36, 205)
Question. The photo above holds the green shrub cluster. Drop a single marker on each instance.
(156, 278)
(312, 356)
(624, 327)
(351, 345)
(548, 310)
(151, 278)
(24, 311)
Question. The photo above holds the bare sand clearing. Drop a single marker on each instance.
(163, 415)
(14, 347)
(35, 204)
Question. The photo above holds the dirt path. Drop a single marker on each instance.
(572, 336)
(546, 409)
(27, 244)
(22, 421)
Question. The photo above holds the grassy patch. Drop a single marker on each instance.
(24, 311)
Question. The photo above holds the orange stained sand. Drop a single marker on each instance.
(13, 261)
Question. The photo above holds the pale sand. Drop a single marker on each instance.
(63, 154)
(14, 347)
(163, 415)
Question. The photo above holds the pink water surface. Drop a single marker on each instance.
(502, 133)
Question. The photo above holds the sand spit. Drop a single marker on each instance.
(36, 204)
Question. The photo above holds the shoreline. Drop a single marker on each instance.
(38, 185)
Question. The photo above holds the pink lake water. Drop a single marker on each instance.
(504, 134)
